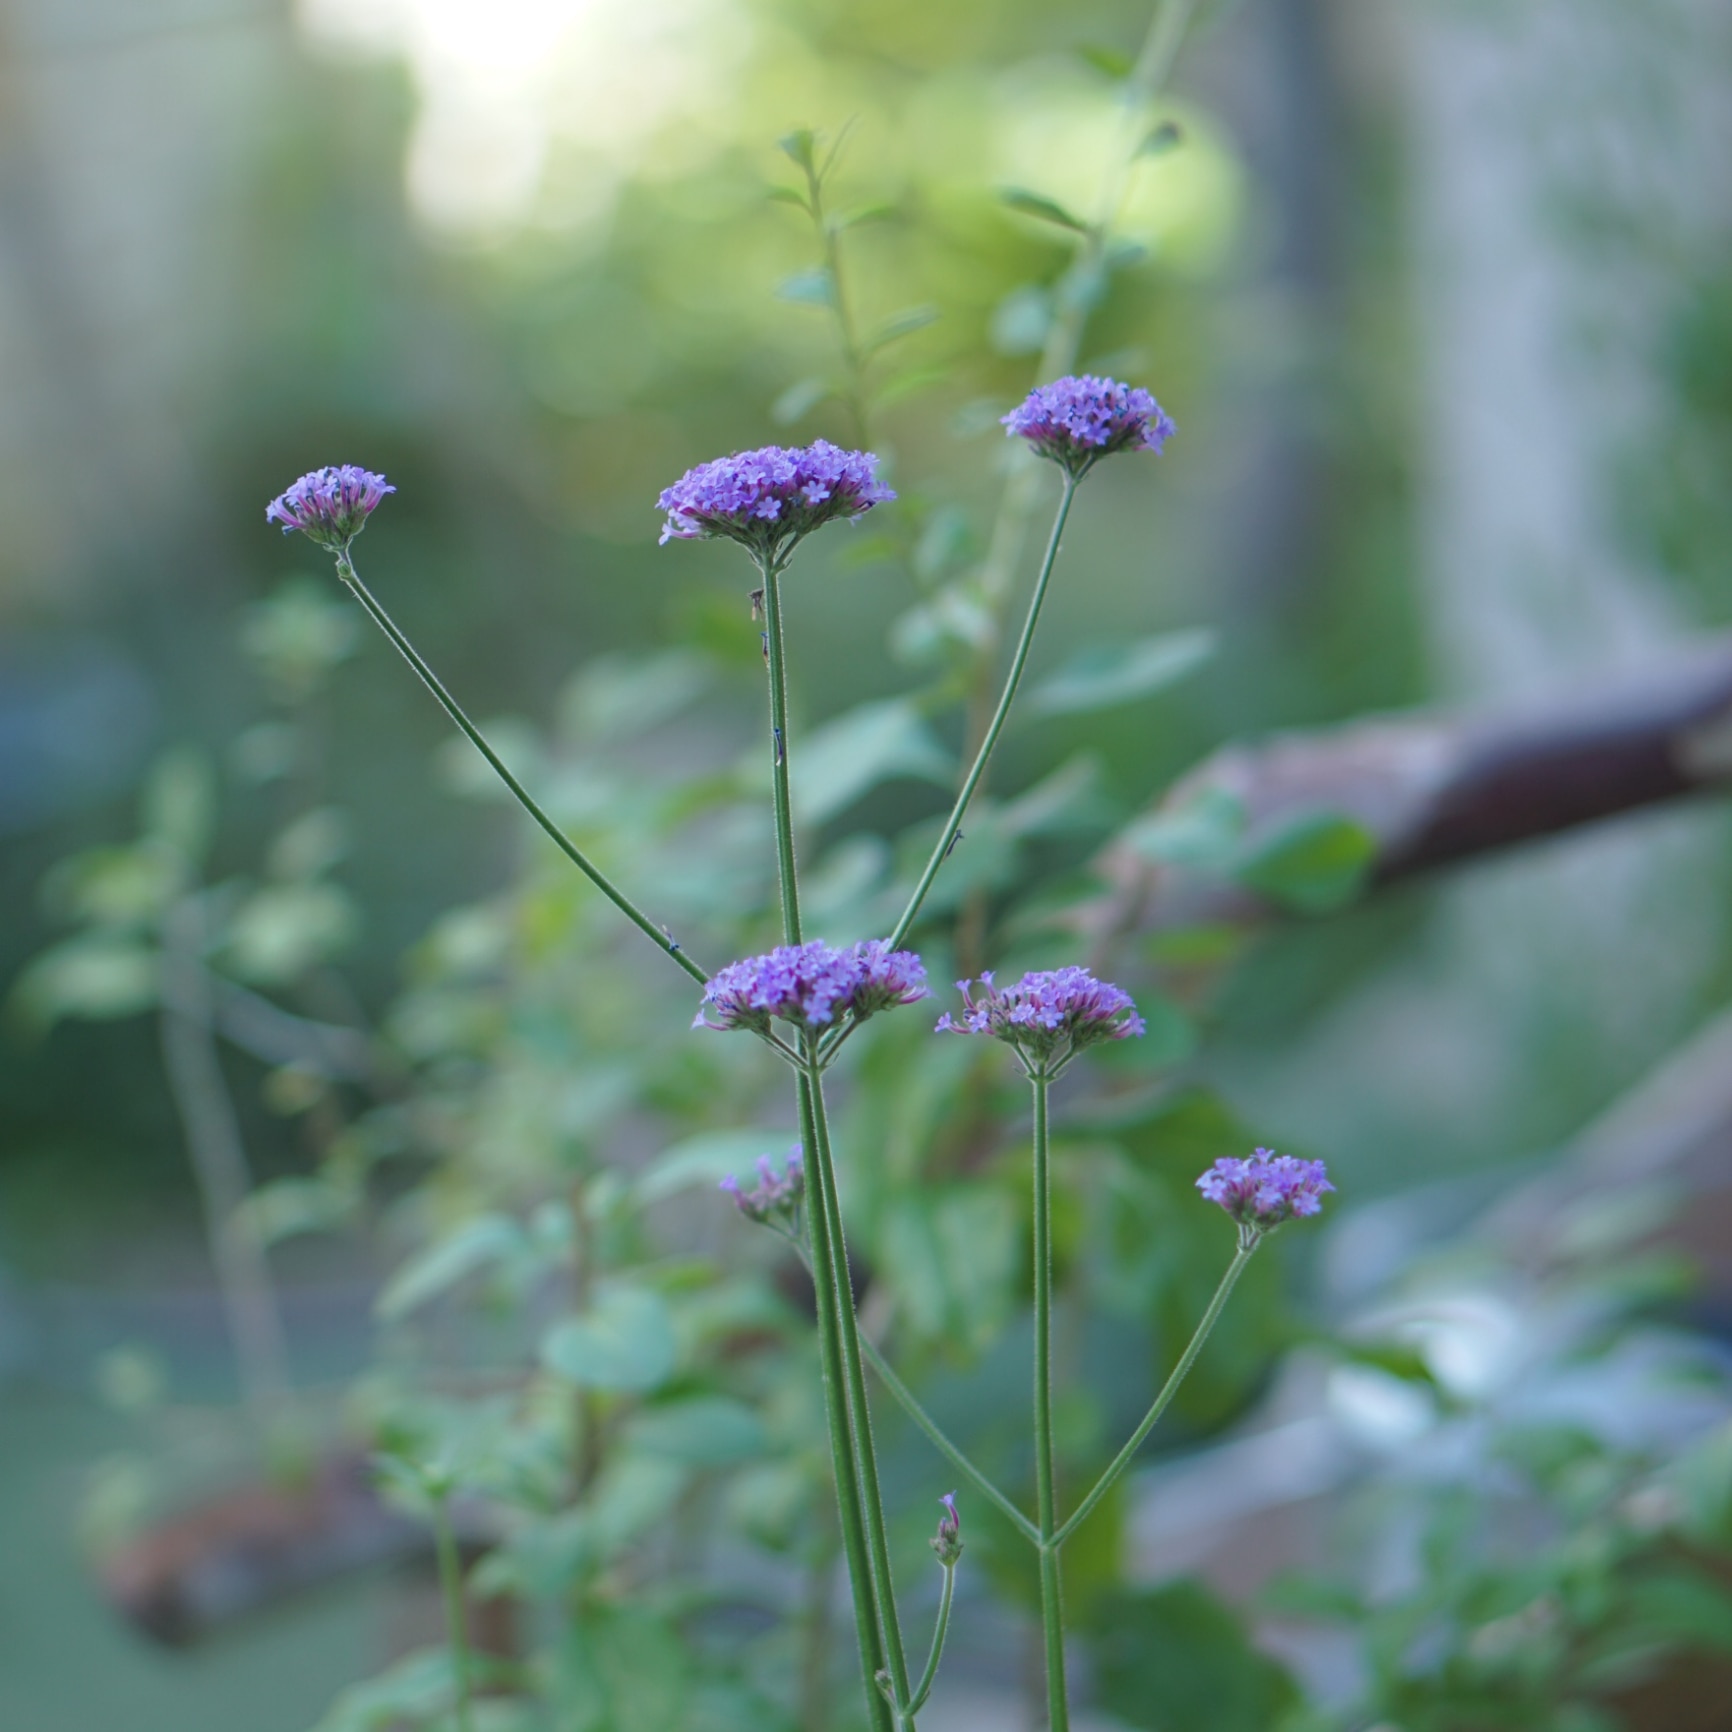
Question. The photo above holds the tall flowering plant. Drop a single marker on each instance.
(804, 1000)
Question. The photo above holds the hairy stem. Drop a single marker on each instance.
(1051, 1599)
(1168, 1390)
(823, 1165)
(995, 727)
(924, 1688)
(665, 944)
(787, 868)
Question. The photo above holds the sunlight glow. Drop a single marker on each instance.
(518, 95)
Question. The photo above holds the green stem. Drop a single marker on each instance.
(346, 571)
(1168, 1390)
(1012, 680)
(910, 1405)
(787, 870)
(924, 1688)
(823, 1167)
(848, 1509)
(1051, 1600)
(456, 1626)
(829, 242)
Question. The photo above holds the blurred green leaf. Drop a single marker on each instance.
(799, 400)
(282, 930)
(1041, 208)
(811, 288)
(625, 1342)
(97, 977)
(118, 887)
(706, 1160)
(1111, 674)
(1314, 863)
(846, 758)
(1203, 832)
(898, 326)
(1174, 1659)
(798, 146)
(1114, 62)
(1160, 139)
(478, 1244)
(310, 846)
(1020, 324)
(180, 803)
(704, 1431)
(415, 1689)
(286, 1208)
(788, 195)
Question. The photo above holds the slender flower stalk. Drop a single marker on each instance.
(1169, 1389)
(947, 1545)
(656, 935)
(1018, 661)
(1046, 1489)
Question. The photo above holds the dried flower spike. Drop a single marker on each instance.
(1265, 1190)
(1047, 1017)
(329, 506)
(768, 499)
(810, 985)
(1078, 421)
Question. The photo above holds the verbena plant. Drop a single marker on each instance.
(806, 998)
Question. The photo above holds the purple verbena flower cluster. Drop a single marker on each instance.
(776, 1194)
(767, 499)
(947, 1542)
(1262, 1192)
(1078, 421)
(330, 506)
(1047, 1017)
(810, 985)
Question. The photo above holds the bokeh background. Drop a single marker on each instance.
(1440, 295)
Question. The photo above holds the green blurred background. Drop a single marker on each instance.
(1440, 296)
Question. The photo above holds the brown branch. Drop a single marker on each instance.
(1435, 789)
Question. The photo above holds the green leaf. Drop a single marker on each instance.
(1174, 1659)
(286, 1208)
(624, 1342)
(798, 400)
(706, 1160)
(798, 146)
(850, 756)
(476, 1245)
(1114, 62)
(310, 846)
(842, 221)
(624, 696)
(788, 195)
(180, 802)
(1314, 863)
(1111, 674)
(1020, 323)
(414, 1690)
(115, 886)
(1203, 832)
(1041, 208)
(97, 977)
(282, 930)
(811, 287)
(705, 1431)
(898, 326)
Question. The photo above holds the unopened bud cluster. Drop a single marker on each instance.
(776, 1197)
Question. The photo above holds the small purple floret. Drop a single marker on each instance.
(1078, 421)
(1262, 1192)
(768, 499)
(329, 506)
(776, 1194)
(810, 985)
(947, 1542)
(1047, 1017)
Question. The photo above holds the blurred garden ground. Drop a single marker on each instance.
(1440, 296)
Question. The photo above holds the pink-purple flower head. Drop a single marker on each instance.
(1265, 1190)
(1078, 421)
(811, 985)
(768, 499)
(947, 1542)
(776, 1196)
(329, 506)
(1047, 1017)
